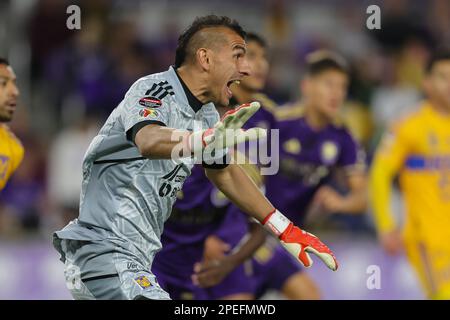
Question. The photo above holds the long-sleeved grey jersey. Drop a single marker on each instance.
(126, 198)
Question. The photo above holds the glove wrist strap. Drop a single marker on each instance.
(276, 222)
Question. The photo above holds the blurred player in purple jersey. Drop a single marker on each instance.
(288, 278)
(314, 144)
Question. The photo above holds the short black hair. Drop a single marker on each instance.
(4, 61)
(200, 23)
(323, 60)
(438, 56)
(253, 37)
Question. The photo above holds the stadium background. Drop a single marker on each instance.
(70, 80)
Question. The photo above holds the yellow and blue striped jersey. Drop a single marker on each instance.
(417, 148)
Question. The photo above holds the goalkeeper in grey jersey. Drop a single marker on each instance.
(138, 162)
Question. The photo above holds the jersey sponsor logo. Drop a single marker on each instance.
(143, 281)
(132, 266)
(436, 162)
(168, 188)
(146, 112)
(150, 102)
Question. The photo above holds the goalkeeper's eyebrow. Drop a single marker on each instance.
(240, 47)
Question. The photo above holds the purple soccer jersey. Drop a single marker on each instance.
(307, 158)
(196, 214)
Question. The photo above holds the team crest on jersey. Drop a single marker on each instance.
(150, 102)
(329, 152)
(292, 146)
(147, 112)
(143, 282)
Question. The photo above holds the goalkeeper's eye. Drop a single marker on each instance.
(238, 55)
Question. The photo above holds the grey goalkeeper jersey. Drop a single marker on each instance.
(126, 198)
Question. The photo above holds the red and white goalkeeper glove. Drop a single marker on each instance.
(228, 131)
(299, 242)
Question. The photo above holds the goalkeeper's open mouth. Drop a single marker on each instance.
(228, 87)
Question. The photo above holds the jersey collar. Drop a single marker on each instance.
(192, 101)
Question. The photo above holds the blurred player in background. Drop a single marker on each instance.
(272, 267)
(418, 149)
(11, 150)
(135, 167)
(314, 144)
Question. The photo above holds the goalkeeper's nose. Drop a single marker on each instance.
(244, 67)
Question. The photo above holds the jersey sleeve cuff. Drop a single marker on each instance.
(131, 133)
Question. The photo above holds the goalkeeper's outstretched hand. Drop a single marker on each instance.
(228, 131)
(298, 242)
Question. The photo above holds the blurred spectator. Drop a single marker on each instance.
(65, 168)
(47, 31)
